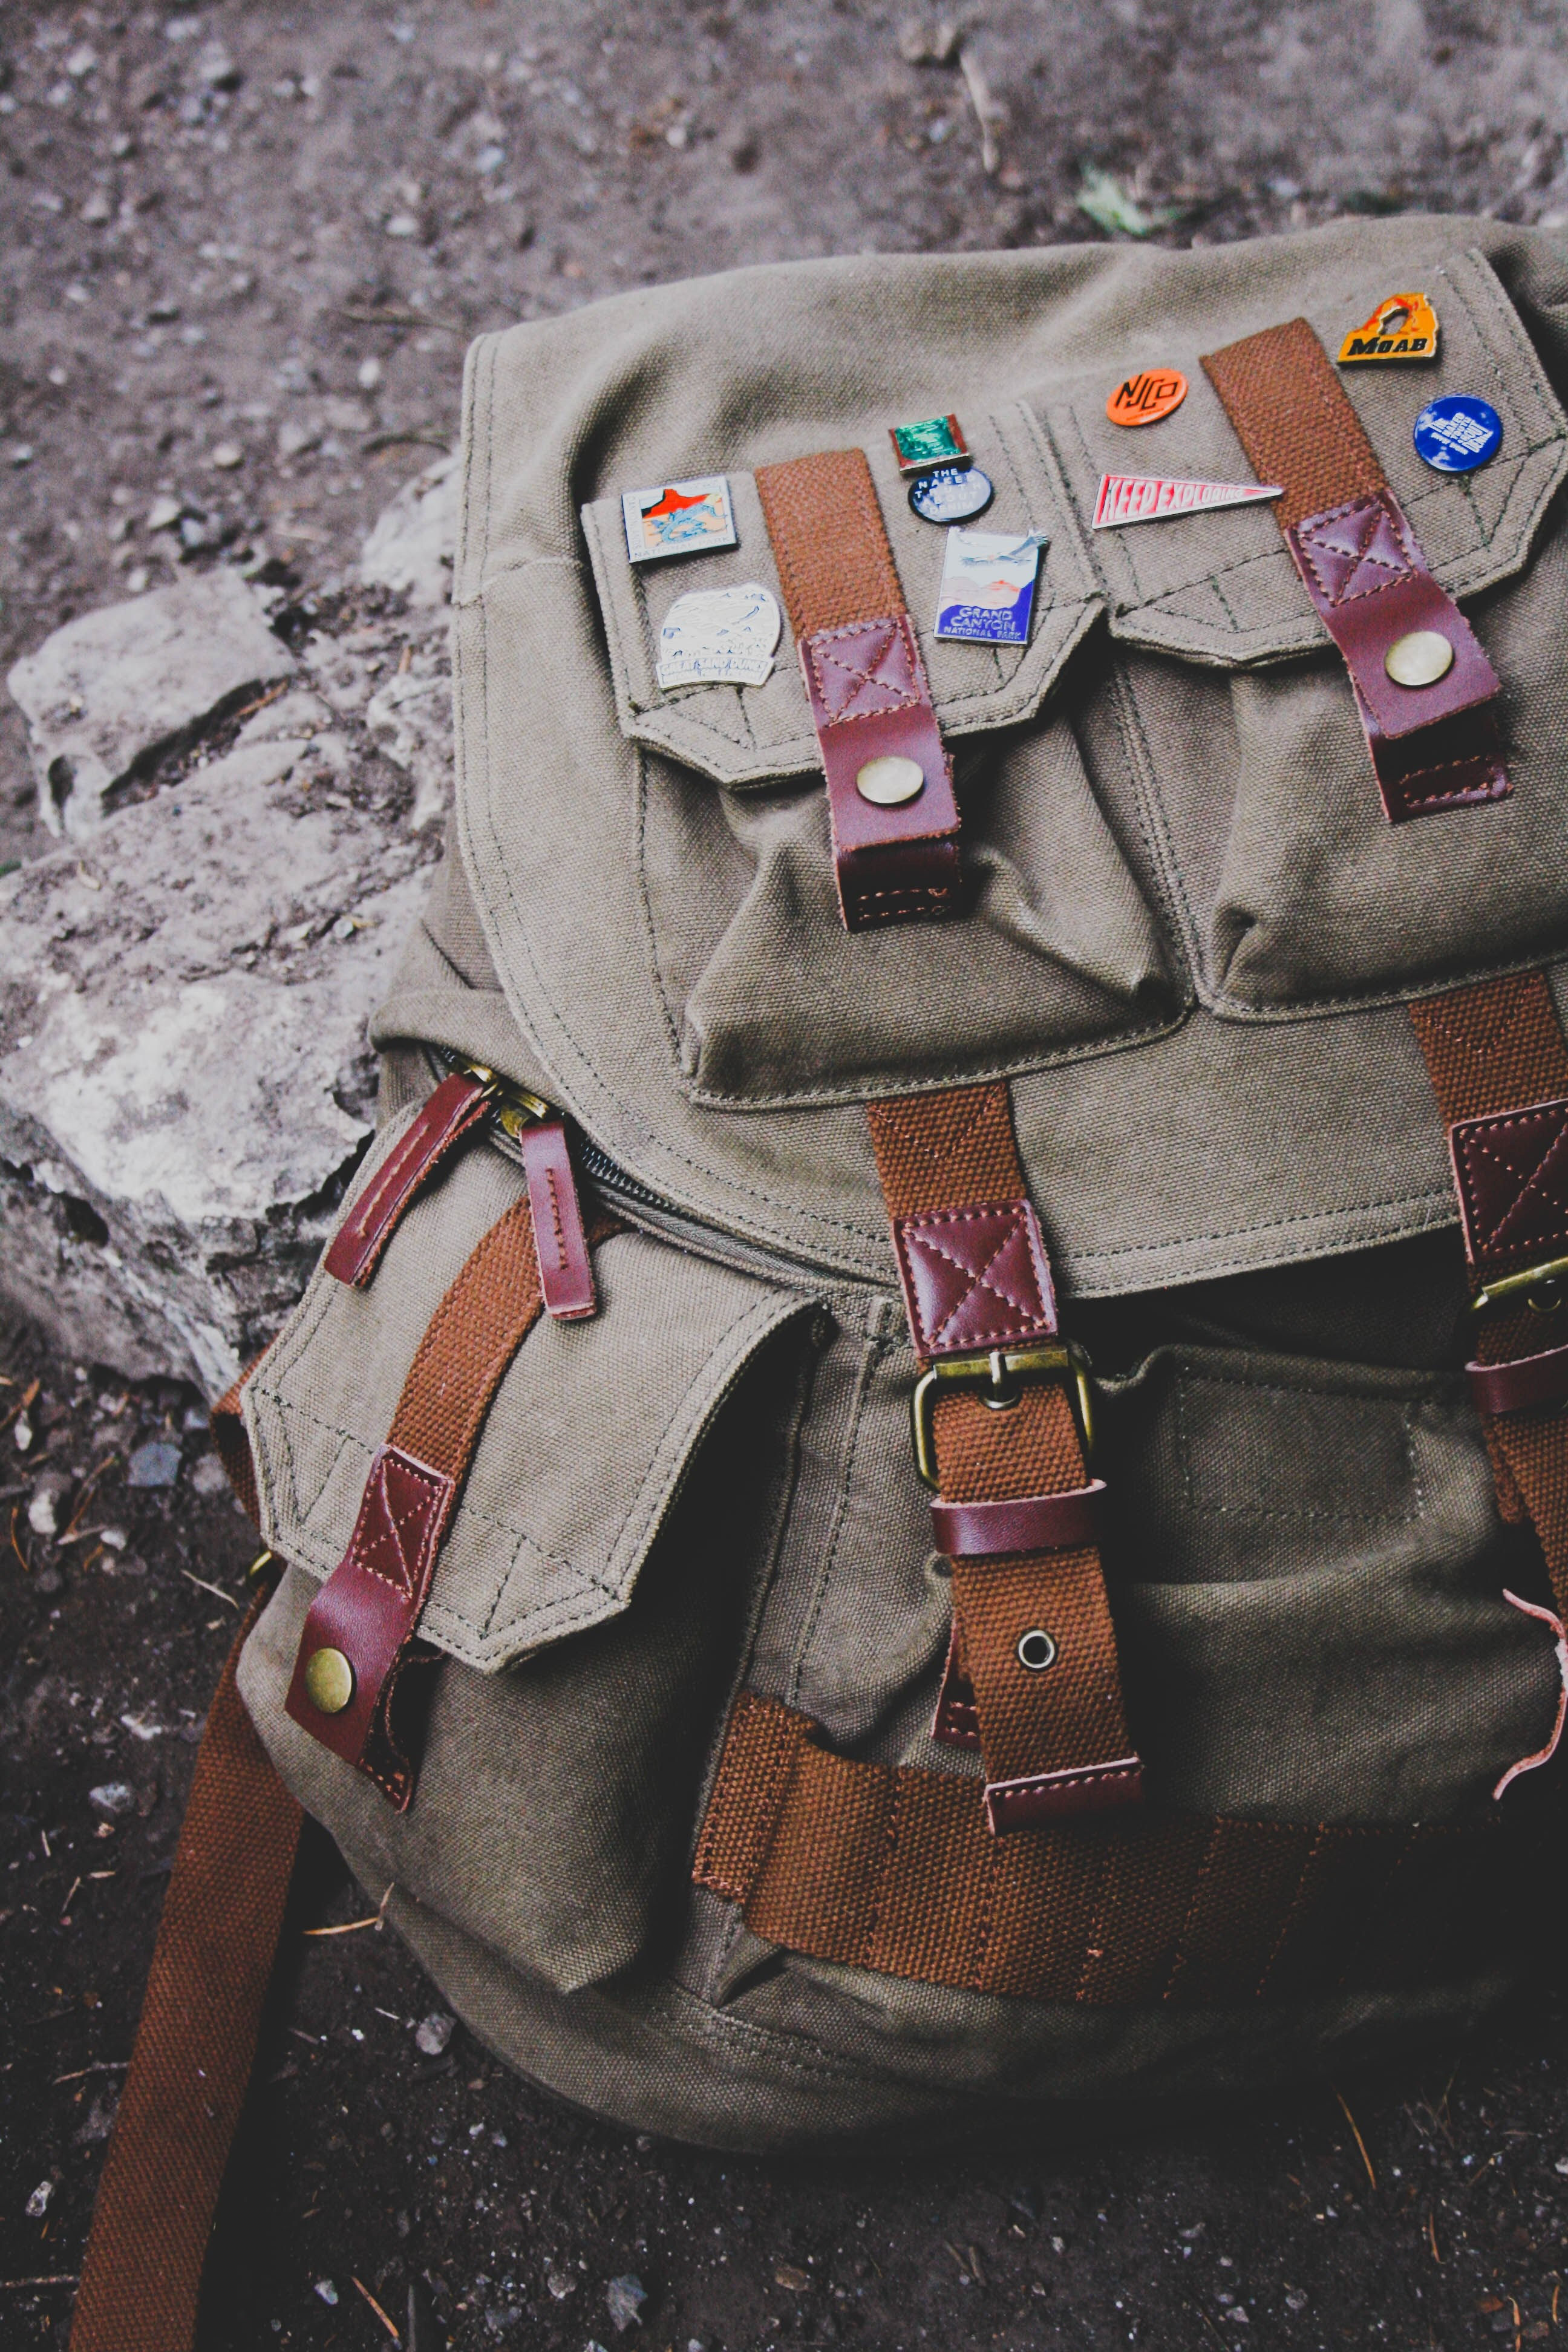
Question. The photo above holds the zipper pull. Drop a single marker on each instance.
(560, 1238)
(561, 1244)
(451, 1114)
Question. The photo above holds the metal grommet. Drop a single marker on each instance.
(329, 1681)
(1037, 1651)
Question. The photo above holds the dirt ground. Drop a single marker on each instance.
(243, 250)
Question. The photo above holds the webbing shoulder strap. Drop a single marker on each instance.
(195, 2044)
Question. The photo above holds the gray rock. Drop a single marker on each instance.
(154, 1464)
(184, 1077)
(434, 2034)
(112, 1797)
(415, 538)
(410, 718)
(110, 693)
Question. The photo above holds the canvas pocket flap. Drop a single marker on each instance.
(741, 735)
(587, 1442)
(1220, 586)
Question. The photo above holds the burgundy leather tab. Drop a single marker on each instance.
(367, 1609)
(565, 1269)
(453, 1111)
(869, 700)
(1021, 1525)
(1511, 1176)
(975, 1278)
(1052, 1796)
(1523, 1382)
(1432, 745)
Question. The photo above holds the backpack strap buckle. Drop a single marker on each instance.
(997, 1374)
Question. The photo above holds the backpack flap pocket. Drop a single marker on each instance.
(592, 1590)
(765, 998)
(582, 1451)
(1294, 890)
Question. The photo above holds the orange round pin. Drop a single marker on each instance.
(1144, 398)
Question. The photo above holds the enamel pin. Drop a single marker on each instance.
(937, 441)
(679, 519)
(952, 494)
(1148, 498)
(720, 636)
(1403, 328)
(1144, 398)
(987, 591)
(1459, 432)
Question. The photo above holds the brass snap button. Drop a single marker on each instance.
(1037, 1651)
(329, 1681)
(1419, 659)
(890, 781)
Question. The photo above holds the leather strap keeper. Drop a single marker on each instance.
(1525, 1381)
(561, 1246)
(1433, 746)
(1021, 1523)
(867, 688)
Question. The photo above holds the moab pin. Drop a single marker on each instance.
(1144, 398)
(1402, 328)
(679, 519)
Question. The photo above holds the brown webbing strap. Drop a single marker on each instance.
(896, 1870)
(1500, 1070)
(195, 2044)
(1434, 745)
(362, 1623)
(866, 688)
(976, 1278)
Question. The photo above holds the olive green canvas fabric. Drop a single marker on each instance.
(1192, 939)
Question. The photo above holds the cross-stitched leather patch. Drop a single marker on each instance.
(1511, 1174)
(975, 1278)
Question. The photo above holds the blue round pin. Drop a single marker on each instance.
(1457, 433)
(952, 494)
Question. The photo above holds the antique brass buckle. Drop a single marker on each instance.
(515, 1107)
(1508, 1288)
(999, 1375)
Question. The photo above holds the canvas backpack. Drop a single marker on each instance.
(926, 1483)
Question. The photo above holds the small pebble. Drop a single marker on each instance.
(369, 374)
(38, 2202)
(623, 2297)
(561, 2284)
(112, 1797)
(22, 453)
(326, 2290)
(401, 224)
(434, 2034)
(97, 209)
(228, 455)
(164, 513)
(22, 1433)
(209, 1478)
(156, 1464)
(44, 1509)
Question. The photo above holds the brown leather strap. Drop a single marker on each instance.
(867, 688)
(195, 2044)
(1433, 746)
(895, 1870)
(1500, 1070)
(368, 1610)
(1020, 1523)
(976, 1277)
(455, 1109)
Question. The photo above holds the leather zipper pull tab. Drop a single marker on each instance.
(565, 1269)
(452, 1113)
